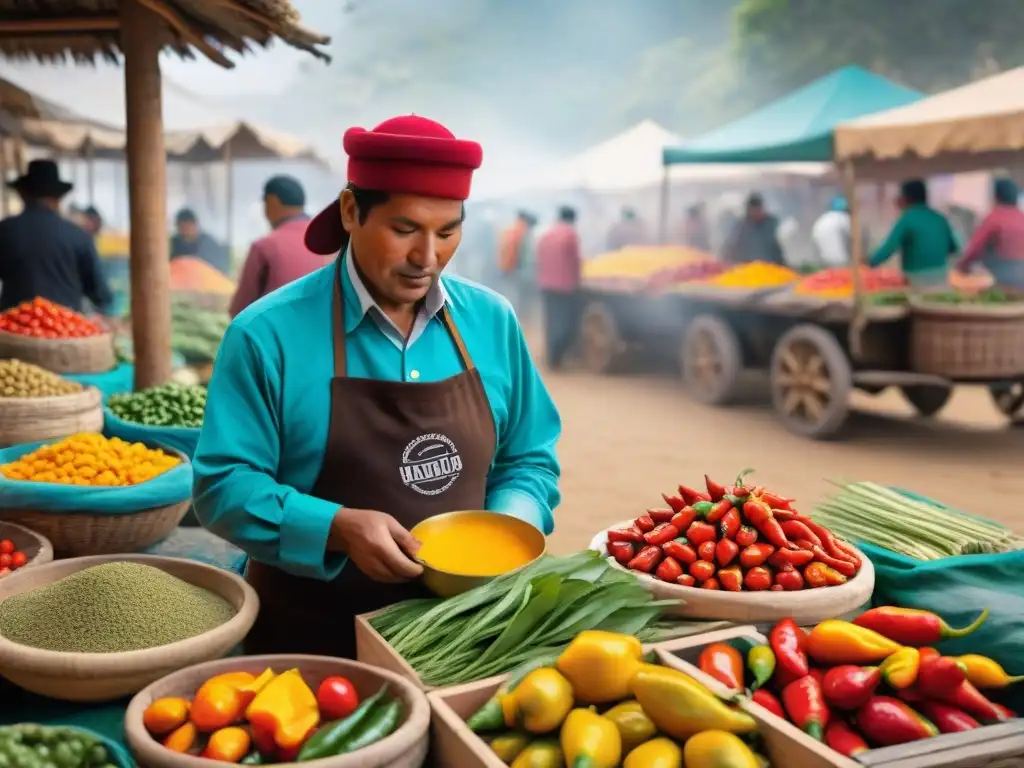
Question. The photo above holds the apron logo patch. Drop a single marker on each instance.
(430, 464)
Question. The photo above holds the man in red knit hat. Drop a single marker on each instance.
(358, 401)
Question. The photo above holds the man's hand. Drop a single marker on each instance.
(376, 543)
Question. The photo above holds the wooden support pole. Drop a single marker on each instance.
(147, 194)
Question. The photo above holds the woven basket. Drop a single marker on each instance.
(91, 354)
(30, 419)
(37, 549)
(967, 342)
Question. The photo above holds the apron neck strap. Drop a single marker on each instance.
(338, 312)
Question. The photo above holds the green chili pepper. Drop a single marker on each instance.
(381, 723)
(328, 740)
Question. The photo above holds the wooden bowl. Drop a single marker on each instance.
(405, 748)
(447, 584)
(37, 548)
(108, 676)
(806, 607)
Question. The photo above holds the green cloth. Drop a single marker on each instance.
(924, 239)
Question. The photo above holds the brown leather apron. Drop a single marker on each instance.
(411, 450)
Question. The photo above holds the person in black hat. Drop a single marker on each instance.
(190, 240)
(42, 254)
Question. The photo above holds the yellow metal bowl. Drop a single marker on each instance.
(446, 584)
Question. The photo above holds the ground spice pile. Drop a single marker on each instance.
(111, 608)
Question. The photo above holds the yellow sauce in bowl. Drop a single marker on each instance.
(475, 544)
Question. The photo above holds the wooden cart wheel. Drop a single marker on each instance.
(1008, 398)
(601, 343)
(711, 360)
(811, 381)
(927, 400)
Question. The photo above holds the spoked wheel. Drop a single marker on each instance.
(927, 400)
(1008, 398)
(811, 381)
(711, 361)
(601, 344)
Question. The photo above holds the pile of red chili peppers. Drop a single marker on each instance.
(875, 682)
(734, 538)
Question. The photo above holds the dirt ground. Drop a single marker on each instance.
(628, 438)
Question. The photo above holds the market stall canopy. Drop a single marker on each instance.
(797, 128)
(239, 141)
(974, 127)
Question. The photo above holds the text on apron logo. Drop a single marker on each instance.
(430, 464)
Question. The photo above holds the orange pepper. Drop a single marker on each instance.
(287, 707)
(165, 715)
(221, 700)
(182, 739)
(229, 745)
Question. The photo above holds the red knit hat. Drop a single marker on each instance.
(404, 155)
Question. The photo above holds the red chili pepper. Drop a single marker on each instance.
(844, 567)
(669, 570)
(662, 534)
(828, 540)
(680, 550)
(760, 516)
(1005, 713)
(782, 678)
(787, 641)
(844, 740)
(731, 578)
(766, 699)
(622, 551)
(795, 530)
(703, 509)
(644, 523)
(849, 686)
(790, 581)
(699, 532)
(908, 626)
(784, 515)
(804, 544)
(775, 501)
(911, 695)
(711, 583)
(820, 575)
(817, 674)
(939, 675)
(645, 560)
(715, 490)
(631, 534)
(755, 554)
(718, 510)
(686, 580)
(730, 524)
(702, 570)
(806, 706)
(928, 654)
(683, 518)
(797, 558)
(706, 551)
(660, 516)
(758, 579)
(726, 551)
(974, 702)
(692, 496)
(675, 502)
(886, 721)
(746, 536)
(948, 719)
(847, 549)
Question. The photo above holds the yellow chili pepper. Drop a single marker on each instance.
(165, 715)
(718, 749)
(681, 707)
(657, 753)
(540, 754)
(635, 727)
(509, 746)
(229, 745)
(285, 707)
(541, 702)
(841, 642)
(984, 672)
(590, 740)
(900, 669)
(181, 739)
(600, 665)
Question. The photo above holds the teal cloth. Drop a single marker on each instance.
(121, 379)
(202, 546)
(171, 487)
(183, 439)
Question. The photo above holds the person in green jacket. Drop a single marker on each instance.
(923, 237)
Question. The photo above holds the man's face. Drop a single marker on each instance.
(404, 244)
(188, 229)
(755, 212)
(92, 225)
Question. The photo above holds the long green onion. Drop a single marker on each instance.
(526, 616)
(878, 515)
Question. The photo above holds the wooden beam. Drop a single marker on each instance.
(186, 33)
(71, 26)
(147, 194)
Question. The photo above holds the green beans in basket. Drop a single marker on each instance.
(169, 405)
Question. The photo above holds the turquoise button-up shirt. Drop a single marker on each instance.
(265, 431)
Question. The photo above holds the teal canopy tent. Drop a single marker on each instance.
(798, 127)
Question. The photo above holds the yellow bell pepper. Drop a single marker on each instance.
(984, 672)
(681, 707)
(657, 753)
(600, 665)
(635, 727)
(540, 754)
(718, 749)
(285, 707)
(509, 746)
(590, 740)
(540, 703)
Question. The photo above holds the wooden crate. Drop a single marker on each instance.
(374, 650)
(994, 746)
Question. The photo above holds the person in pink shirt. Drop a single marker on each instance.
(282, 256)
(559, 267)
(998, 242)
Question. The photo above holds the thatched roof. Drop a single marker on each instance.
(83, 30)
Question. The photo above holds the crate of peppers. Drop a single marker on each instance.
(877, 690)
(170, 414)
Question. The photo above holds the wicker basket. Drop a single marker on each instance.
(973, 343)
(90, 354)
(37, 548)
(30, 419)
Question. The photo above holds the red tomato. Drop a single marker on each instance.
(6, 547)
(337, 698)
(18, 559)
(5, 560)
